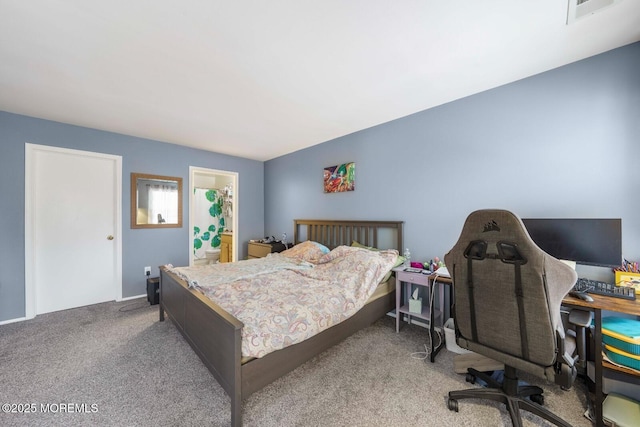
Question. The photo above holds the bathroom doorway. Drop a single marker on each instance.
(213, 210)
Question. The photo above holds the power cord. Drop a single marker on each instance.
(422, 355)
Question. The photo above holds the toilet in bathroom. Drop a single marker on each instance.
(212, 255)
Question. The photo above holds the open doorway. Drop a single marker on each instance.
(213, 215)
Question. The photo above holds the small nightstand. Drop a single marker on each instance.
(405, 281)
(260, 250)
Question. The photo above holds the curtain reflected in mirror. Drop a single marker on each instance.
(155, 201)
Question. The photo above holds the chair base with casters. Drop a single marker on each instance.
(509, 393)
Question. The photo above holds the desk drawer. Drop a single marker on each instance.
(417, 278)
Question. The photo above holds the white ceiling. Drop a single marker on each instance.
(263, 78)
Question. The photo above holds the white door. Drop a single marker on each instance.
(73, 210)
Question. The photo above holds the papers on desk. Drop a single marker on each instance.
(442, 272)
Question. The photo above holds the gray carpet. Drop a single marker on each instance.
(115, 364)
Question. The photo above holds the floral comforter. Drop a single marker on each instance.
(211, 275)
(288, 305)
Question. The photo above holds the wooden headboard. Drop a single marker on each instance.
(333, 233)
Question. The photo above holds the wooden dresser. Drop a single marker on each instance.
(226, 247)
(260, 250)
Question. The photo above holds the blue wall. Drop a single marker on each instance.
(558, 144)
(140, 247)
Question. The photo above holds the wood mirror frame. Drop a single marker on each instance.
(137, 212)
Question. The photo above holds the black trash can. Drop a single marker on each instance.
(153, 290)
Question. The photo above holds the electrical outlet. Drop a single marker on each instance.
(147, 271)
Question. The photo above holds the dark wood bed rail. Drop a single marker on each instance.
(335, 233)
(215, 335)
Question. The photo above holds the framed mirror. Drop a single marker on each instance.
(156, 201)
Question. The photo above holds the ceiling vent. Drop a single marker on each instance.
(580, 8)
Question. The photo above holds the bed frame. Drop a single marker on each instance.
(215, 335)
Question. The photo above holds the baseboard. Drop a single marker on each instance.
(134, 297)
(22, 319)
(19, 319)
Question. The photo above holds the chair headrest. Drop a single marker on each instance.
(497, 233)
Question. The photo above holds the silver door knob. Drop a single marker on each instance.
(109, 237)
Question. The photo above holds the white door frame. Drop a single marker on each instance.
(193, 170)
(29, 219)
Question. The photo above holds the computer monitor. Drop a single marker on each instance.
(586, 241)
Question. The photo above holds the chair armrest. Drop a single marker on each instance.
(580, 317)
(565, 366)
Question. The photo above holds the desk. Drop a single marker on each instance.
(609, 304)
(404, 280)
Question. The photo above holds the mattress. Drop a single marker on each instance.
(384, 288)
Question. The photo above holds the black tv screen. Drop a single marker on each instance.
(585, 241)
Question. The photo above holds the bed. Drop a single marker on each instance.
(215, 335)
